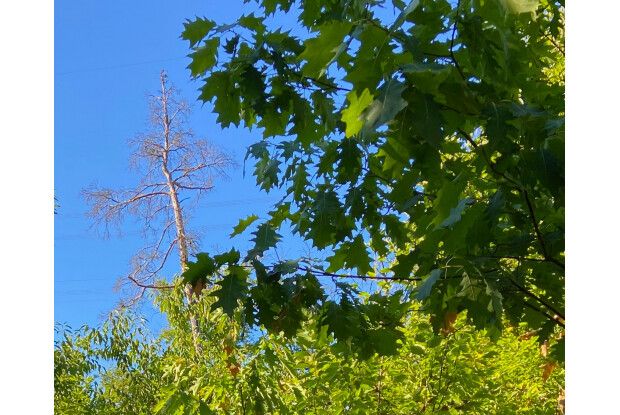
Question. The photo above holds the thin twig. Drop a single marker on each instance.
(151, 286)
(522, 190)
(456, 15)
(538, 234)
(535, 297)
(550, 39)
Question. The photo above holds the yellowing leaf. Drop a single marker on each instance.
(198, 288)
(548, 369)
(528, 335)
(234, 369)
(447, 325)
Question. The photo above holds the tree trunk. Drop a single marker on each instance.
(178, 214)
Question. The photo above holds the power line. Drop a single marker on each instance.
(85, 279)
(105, 68)
(222, 203)
(135, 233)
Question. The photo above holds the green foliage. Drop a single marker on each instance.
(113, 369)
(243, 225)
(120, 368)
(232, 287)
(425, 152)
(436, 139)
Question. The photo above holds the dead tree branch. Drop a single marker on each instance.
(174, 165)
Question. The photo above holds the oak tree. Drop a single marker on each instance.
(428, 132)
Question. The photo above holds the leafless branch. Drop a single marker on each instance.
(157, 287)
(173, 165)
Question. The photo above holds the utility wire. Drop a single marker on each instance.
(105, 68)
(222, 203)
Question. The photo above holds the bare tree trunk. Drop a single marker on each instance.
(178, 214)
(189, 165)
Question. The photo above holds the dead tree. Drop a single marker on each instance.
(174, 165)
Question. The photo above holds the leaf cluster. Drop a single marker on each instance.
(434, 140)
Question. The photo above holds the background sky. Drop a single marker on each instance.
(107, 57)
(54, 73)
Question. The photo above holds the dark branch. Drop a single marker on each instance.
(151, 286)
(521, 189)
(538, 234)
(535, 297)
(538, 310)
(325, 85)
(553, 42)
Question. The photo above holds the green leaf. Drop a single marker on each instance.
(404, 265)
(495, 304)
(221, 86)
(427, 77)
(196, 30)
(340, 318)
(253, 23)
(558, 351)
(386, 106)
(232, 288)
(253, 87)
(265, 237)
(424, 289)
(243, 225)
(426, 119)
(204, 57)
(324, 49)
(266, 172)
(231, 258)
(351, 255)
(455, 214)
(203, 409)
(286, 267)
(231, 44)
(447, 199)
(352, 114)
(396, 156)
(401, 17)
(201, 269)
(326, 218)
(498, 128)
(385, 341)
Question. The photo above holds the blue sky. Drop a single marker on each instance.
(84, 36)
(108, 56)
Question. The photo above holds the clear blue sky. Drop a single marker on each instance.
(96, 109)
(108, 56)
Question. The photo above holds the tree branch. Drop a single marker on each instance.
(530, 294)
(151, 286)
(559, 323)
(535, 297)
(553, 42)
(522, 190)
(456, 15)
(538, 234)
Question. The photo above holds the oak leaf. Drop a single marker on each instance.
(548, 368)
(447, 325)
(234, 369)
